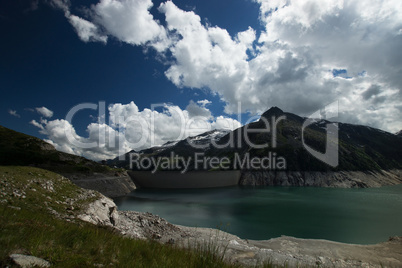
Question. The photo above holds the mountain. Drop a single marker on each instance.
(360, 148)
(18, 149)
(399, 133)
(184, 148)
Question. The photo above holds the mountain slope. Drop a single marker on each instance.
(23, 150)
(18, 149)
(361, 148)
(183, 148)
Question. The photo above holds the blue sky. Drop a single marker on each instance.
(199, 57)
(44, 63)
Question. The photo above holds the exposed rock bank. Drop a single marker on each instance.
(341, 179)
(112, 186)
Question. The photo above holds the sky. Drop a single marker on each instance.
(99, 78)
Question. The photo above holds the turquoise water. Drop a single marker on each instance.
(361, 216)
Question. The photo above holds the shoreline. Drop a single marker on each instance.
(282, 250)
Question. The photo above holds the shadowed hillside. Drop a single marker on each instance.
(23, 150)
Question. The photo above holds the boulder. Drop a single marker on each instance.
(101, 212)
(28, 261)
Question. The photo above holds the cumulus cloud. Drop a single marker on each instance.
(14, 113)
(295, 58)
(129, 128)
(204, 103)
(309, 53)
(373, 90)
(128, 20)
(44, 111)
(206, 56)
(36, 124)
(357, 37)
(196, 110)
(87, 31)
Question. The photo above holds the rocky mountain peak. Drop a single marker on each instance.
(273, 111)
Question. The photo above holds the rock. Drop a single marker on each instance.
(110, 186)
(156, 236)
(28, 261)
(48, 185)
(103, 212)
(339, 179)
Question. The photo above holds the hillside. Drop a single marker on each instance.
(42, 215)
(19, 149)
(23, 150)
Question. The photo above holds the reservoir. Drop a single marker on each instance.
(359, 216)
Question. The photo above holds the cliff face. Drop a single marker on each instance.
(340, 179)
(109, 186)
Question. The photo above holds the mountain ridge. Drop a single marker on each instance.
(361, 148)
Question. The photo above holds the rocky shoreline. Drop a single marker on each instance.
(283, 250)
(120, 184)
(340, 179)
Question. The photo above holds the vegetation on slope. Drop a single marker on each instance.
(23, 150)
(35, 207)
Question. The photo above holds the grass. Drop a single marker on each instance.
(84, 245)
(27, 227)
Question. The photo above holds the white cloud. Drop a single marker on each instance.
(44, 111)
(63, 5)
(87, 31)
(290, 65)
(14, 113)
(205, 56)
(129, 128)
(195, 110)
(36, 124)
(357, 36)
(128, 20)
(225, 123)
(204, 103)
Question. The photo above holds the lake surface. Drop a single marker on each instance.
(361, 216)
